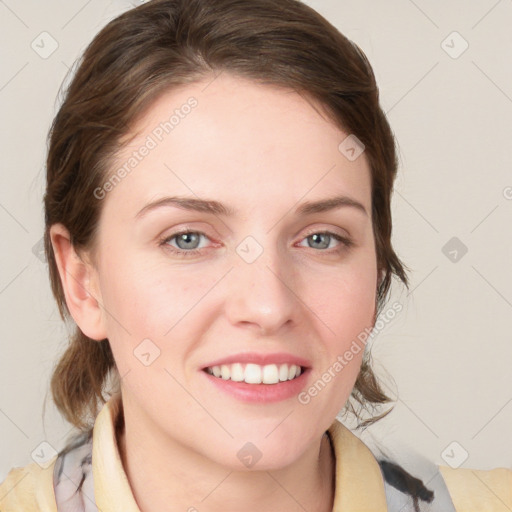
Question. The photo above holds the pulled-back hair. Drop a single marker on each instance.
(165, 44)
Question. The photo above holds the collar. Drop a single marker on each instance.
(359, 481)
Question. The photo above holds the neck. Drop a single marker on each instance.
(166, 476)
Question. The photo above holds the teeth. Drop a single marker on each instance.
(224, 372)
(256, 374)
(283, 372)
(237, 372)
(252, 374)
(270, 374)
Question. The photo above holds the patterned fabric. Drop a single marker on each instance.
(412, 482)
(421, 489)
(72, 476)
(414, 485)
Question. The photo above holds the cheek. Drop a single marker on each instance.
(138, 292)
(345, 301)
(154, 301)
(345, 311)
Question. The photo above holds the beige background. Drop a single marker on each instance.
(450, 349)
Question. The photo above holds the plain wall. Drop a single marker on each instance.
(449, 350)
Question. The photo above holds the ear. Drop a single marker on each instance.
(80, 284)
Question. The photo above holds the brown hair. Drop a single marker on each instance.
(165, 44)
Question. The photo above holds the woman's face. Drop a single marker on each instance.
(248, 290)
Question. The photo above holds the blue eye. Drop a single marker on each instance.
(316, 237)
(187, 242)
(184, 240)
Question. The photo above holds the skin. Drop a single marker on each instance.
(263, 151)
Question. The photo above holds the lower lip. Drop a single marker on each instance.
(261, 393)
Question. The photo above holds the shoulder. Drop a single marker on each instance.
(28, 489)
(414, 483)
(478, 489)
(62, 479)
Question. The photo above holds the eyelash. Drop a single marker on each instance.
(346, 243)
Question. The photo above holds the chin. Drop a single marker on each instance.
(260, 454)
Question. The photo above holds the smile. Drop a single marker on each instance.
(255, 373)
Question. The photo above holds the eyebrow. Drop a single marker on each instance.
(217, 208)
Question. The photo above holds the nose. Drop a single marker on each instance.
(263, 295)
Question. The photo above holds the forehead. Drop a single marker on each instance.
(245, 141)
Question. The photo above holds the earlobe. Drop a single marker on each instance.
(80, 285)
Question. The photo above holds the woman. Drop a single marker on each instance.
(218, 227)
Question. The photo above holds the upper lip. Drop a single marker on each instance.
(261, 359)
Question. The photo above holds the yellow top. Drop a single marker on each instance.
(359, 481)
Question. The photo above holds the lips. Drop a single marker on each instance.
(257, 368)
(260, 393)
